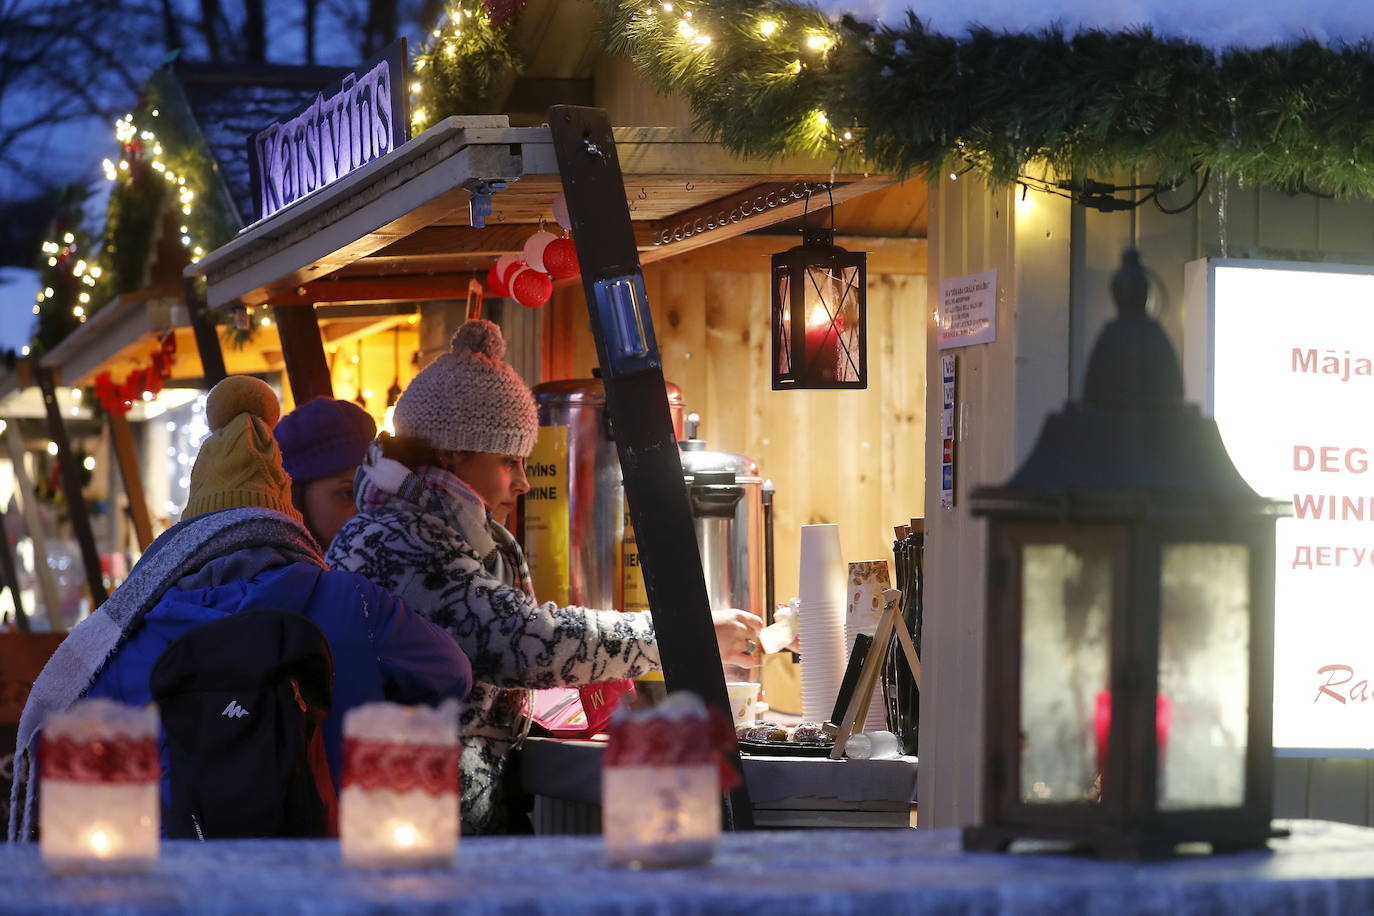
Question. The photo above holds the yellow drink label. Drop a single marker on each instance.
(546, 515)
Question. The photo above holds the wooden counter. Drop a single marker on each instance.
(565, 778)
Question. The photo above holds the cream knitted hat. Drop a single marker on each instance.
(470, 400)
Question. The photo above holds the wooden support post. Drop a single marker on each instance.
(303, 349)
(122, 436)
(71, 483)
(203, 326)
(23, 491)
(11, 573)
(637, 405)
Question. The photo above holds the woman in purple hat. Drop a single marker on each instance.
(322, 443)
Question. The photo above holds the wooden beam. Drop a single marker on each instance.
(340, 333)
(11, 572)
(749, 253)
(24, 494)
(123, 438)
(414, 193)
(637, 408)
(77, 511)
(447, 241)
(737, 214)
(307, 370)
(372, 310)
(376, 289)
(207, 335)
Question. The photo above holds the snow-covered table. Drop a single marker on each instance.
(1323, 868)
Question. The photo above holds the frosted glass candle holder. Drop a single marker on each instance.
(661, 786)
(399, 804)
(98, 805)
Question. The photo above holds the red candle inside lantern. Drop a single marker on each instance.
(823, 342)
(1102, 724)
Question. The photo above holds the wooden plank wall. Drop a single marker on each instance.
(1059, 260)
(848, 457)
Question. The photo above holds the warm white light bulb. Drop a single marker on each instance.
(405, 836)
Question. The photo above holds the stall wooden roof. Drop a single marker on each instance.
(123, 335)
(398, 229)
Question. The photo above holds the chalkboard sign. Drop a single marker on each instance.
(862, 643)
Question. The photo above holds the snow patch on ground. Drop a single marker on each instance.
(1212, 23)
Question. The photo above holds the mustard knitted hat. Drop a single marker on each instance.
(239, 462)
(470, 399)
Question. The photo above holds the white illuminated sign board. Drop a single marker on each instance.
(1282, 355)
(363, 120)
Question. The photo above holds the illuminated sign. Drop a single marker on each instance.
(1282, 355)
(333, 135)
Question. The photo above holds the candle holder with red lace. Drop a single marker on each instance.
(399, 804)
(98, 808)
(662, 779)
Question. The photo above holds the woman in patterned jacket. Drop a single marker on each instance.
(429, 529)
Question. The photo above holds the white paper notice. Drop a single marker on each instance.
(1293, 390)
(968, 310)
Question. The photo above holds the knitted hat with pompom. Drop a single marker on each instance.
(470, 399)
(239, 463)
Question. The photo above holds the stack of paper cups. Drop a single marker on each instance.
(867, 582)
(820, 619)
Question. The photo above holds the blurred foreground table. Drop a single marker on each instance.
(1323, 868)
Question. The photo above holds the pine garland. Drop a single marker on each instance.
(164, 168)
(771, 77)
(463, 68)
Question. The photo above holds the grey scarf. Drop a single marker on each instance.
(179, 551)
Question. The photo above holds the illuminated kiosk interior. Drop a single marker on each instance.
(1281, 354)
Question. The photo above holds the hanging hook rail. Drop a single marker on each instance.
(802, 190)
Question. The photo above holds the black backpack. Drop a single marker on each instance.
(242, 701)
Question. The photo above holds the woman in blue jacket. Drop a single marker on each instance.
(240, 546)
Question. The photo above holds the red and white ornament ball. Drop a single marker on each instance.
(531, 288)
(560, 259)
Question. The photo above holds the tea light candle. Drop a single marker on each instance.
(399, 804)
(98, 805)
(661, 785)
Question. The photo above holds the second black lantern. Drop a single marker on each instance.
(819, 315)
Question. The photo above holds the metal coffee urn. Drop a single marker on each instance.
(726, 493)
(579, 540)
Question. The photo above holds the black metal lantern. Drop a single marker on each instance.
(1129, 670)
(819, 315)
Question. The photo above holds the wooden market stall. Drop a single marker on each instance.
(421, 221)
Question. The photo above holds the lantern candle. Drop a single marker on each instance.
(661, 784)
(399, 805)
(823, 342)
(98, 808)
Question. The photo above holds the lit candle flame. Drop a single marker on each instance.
(405, 836)
(100, 843)
(819, 317)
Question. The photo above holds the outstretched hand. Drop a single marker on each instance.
(737, 637)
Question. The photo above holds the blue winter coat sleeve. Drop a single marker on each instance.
(420, 662)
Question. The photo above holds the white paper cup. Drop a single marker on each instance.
(822, 566)
(744, 698)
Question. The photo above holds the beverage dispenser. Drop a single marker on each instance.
(579, 540)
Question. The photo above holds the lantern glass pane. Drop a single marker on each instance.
(1204, 675)
(1066, 595)
(782, 321)
(831, 303)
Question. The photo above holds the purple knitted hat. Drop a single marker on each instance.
(324, 436)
